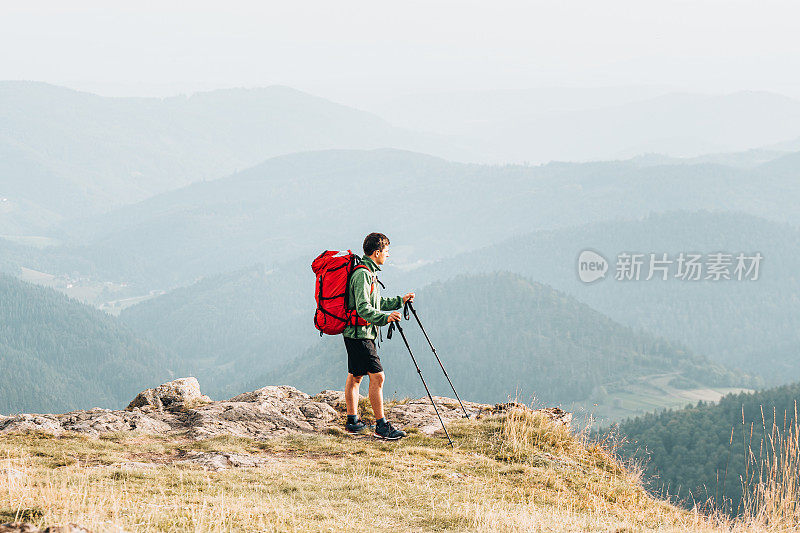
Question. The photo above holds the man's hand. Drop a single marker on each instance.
(394, 316)
(408, 297)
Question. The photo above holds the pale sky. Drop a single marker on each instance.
(349, 50)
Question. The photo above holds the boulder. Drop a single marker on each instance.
(271, 393)
(216, 461)
(334, 398)
(177, 393)
(557, 415)
(91, 422)
(18, 527)
(421, 415)
(30, 422)
(98, 421)
(265, 412)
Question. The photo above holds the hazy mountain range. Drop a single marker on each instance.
(222, 199)
(748, 324)
(504, 336)
(575, 124)
(299, 204)
(230, 328)
(65, 153)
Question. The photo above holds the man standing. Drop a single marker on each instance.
(363, 295)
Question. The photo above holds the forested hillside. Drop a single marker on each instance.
(754, 325)
(502, 335)
(700, 452)
(57, 354)
(229, 327)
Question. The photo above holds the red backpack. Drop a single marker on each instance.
(333, 270)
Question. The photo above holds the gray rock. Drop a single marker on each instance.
(18, 527)
(97, 421)
(334, 398)
(178, 408)
(557, 415)
(69, 528)
(421, 415)
(266, 412)
(271, 393)
(177, 393)
(216, 461)
(30, 422)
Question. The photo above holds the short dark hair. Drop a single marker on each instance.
(375, 242)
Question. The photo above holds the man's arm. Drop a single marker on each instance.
(396, 302)
(390, 304)
(364, 308)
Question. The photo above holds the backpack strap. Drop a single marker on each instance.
(347, 302)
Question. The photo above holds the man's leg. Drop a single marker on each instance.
(383, 428)
(351, 392)
(376, 393)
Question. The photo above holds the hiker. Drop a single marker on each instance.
(363, 295)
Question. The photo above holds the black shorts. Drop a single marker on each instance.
(362, 357)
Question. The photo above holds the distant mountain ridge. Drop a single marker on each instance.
(267, 213)
(602, 123)
(752, 325)
(502, 335)
(72, 153)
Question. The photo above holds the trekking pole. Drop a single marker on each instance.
(389, 336)
(414, 311)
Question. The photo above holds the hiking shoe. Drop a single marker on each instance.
(357, 427)
(386, 431)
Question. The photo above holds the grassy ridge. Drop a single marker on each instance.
(509, 472)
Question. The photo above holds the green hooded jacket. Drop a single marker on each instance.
(364, 295)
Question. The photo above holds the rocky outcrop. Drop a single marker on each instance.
(420, 413)
(178, 408)
(266, 412)
(180, 392)
(92, 422)
(334, 398)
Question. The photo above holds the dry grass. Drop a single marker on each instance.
(512, 472)
(771, 486)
